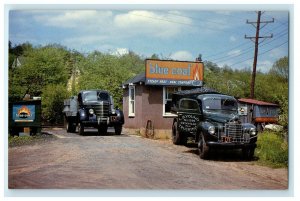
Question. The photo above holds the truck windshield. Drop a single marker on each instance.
(90, 96)
(95, 96)
(219, 104)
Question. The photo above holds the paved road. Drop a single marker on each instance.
(131, 162)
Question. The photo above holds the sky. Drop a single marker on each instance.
(179, 34)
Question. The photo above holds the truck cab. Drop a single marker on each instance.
(92, 108)
(211, 119)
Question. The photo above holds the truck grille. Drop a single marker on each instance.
(235, 132)
(101, 110)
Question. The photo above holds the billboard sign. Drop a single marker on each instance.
(177, 73)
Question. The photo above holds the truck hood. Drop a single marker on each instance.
(220, 116)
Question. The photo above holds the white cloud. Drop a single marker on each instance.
(150, 23)
(278, 53)
(120, 51)
(223, 12)
(234, 53)
(232, 39)
(88, 39)
(264, 66)
(73, 19)
(182, 56)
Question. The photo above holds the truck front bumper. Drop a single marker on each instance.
(230, 145)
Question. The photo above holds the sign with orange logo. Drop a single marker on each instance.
(179, 73)
(23, 113)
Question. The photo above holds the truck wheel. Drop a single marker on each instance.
(248, 153)
(175, 134)
(81, 129)
(70, 127)
(102, 130)
(202, 147)
(66, 124)
(73, 128)
(118, 129)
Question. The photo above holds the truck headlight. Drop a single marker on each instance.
(211, 130)
(91, 111)
(252, 131)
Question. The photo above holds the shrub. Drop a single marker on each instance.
(53, 102)
(272, 150)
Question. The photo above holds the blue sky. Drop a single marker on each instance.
(178, 34)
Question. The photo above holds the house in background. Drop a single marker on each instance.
(147, 97)
(258, 112)
(18, 61)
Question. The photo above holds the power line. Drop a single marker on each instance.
(260, 53)
(242, 44)
(178, 22)
(196, 18)
(221, 59)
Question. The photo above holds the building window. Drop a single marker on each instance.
(131, 110)
(167, 94)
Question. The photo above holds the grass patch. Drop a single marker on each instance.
(272, 150)
(27, 140)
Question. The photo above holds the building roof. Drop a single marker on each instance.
(138, 78)
(256, 102)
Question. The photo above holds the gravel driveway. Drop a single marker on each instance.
(130, 162)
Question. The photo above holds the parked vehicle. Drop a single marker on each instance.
(211, 120)
(92, 108)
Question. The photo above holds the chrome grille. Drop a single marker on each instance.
(235, 132)
(102, 110)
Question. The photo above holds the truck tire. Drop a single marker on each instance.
(118, 129)
(102, 130)
(80, 129)
(177, 137)
(248, 153)
(70, 128)
(202, 147)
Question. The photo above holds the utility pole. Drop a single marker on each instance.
(255, 39)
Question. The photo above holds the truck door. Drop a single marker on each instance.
(189, 115)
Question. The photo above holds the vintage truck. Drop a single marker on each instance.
(92, 108)
(211, 120)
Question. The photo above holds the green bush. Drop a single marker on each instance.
(27, 140)
(53, 102)
(272, 150)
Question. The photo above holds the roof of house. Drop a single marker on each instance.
(256, 102)
(138, 78)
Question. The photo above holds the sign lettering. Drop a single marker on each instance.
(179, 73)
(188, 122)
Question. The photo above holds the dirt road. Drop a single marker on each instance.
(130, 162)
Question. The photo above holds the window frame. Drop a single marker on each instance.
(167, 114)
(130, 102)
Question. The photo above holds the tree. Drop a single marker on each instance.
(53, 97)
(281, 68)
(107, 72)
(43, 66)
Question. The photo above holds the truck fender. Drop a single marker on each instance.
(202, 128)
(120, 116)
(81, 115)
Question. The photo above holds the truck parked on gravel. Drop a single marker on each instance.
(211, 120)
(92, 108)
